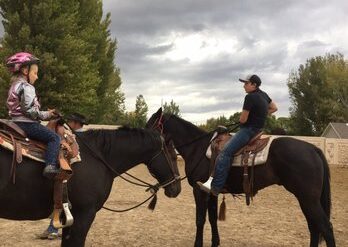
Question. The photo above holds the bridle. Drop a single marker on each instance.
(152, 188)
(159, 126)
(176, 176)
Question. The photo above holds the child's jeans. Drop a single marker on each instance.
(36, 131)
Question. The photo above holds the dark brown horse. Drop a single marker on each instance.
(105, 155)
(297, 165)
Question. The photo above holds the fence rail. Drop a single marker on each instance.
(335, 150)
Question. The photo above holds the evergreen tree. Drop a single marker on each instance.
(171, 108)
(137, 118)
(141, 110)
(96, 32)
(49, 30)
(77, 71)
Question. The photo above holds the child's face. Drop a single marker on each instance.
(34, 69)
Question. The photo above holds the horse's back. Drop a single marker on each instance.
(296, 163)
(291, 142)
(294, 150)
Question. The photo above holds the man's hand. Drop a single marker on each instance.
(272, 107)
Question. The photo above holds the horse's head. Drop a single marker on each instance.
(163, 166)
(157, 121)
(174, 128)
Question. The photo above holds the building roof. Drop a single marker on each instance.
(340, 129)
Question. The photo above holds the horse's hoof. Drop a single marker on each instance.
(215, 243)
(198, 245)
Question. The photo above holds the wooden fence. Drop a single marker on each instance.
(335, 150)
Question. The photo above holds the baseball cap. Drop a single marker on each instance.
(253, 79)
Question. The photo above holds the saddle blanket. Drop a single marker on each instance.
(260, 158)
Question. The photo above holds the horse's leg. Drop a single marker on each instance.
(201, 212)
(318, 223)
(212, 212)
(314, 234)
(75, 236)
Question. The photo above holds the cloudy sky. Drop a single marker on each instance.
(194, 51)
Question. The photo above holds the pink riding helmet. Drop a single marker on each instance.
(20, 59)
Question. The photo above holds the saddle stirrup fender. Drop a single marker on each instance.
(62, 216)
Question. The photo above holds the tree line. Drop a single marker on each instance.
(78, 71)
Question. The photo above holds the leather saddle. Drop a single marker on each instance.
(12, 127)
(255, 145)
(13, 138)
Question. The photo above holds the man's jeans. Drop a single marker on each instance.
(36, 131)
(223, 160)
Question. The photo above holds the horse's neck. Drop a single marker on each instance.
(117, 158)
(189, 140)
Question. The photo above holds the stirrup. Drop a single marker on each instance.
(205, 186)
(62, 217)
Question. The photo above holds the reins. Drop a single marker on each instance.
(152, 188)
(159, 124)
(128, 209)
(96, 155)
(203, 154)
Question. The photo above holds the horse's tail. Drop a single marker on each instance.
(325, 199)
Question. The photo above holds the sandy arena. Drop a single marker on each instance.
(273, 219)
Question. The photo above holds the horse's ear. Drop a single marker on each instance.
(159, 112)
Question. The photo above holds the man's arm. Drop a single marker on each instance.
(244, 116)
(272, 108)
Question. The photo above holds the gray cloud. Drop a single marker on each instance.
(229, 39)
(269, 38)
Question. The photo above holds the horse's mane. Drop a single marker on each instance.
(185, 122)
(130, 137)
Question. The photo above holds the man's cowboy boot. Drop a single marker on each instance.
(50, 171)
(206, 186)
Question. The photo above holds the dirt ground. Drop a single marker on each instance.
(273, 219)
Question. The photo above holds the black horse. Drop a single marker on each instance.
(105, 154)
(297, 165)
